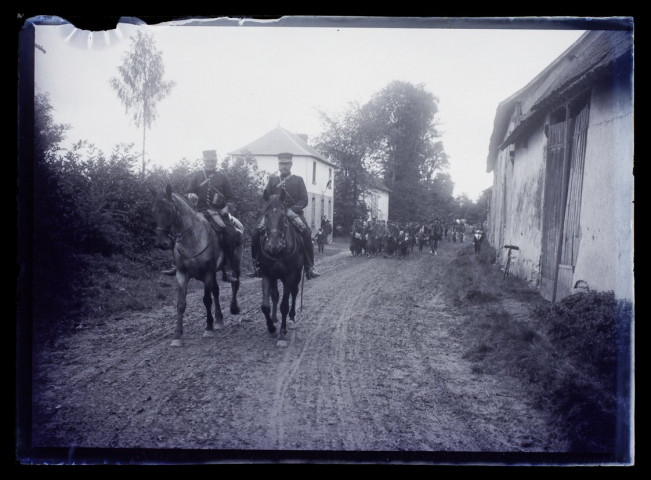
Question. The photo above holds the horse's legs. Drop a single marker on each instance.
(275, 295)
(284, 309)
(235, 286)
(219, 316)
(182, 290)
(294, 293)
(208, 288)
(266, 309)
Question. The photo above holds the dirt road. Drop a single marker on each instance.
(375, 365)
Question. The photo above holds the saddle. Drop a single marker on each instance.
(231, 226)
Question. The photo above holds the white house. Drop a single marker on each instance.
(316, 170)
(376, 197)
(561, 154)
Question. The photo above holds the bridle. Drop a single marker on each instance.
(169, 232)
(176, 237)
(283, 237)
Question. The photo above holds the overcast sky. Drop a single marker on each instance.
(235, 83)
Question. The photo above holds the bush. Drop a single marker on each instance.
(591, 333)
(92, 207)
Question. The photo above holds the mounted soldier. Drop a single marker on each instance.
(295, 200)
(436, 235)
(210, 192)
(357, 233)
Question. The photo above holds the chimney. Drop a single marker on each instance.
(303, 136)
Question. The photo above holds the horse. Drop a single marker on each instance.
(372, 241)
(390, 241)
(197, 254)
(422, 238)
(356, 241)
(281, 259)
(436, 236)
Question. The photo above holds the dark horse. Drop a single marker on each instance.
(197, 254)
(372, 242)
(422, 238)
(281, 259)
(356, 241)
(391, 241)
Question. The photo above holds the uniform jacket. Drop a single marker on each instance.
(295, 191)
(206, 185)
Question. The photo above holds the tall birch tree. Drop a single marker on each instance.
(140, 86)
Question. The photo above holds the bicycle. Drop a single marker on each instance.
(507, 267)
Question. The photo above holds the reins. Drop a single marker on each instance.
(179, 236)
(287, 254)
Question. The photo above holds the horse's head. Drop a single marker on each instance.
(275, 225)
(164, 212)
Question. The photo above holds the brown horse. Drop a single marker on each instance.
(197, 253)
(281, 259)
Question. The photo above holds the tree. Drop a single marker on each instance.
(343, 142)
(478, 212)
(141, 86)
(393, 136)
(399, 125)
(438, 200)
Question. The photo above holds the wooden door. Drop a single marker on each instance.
(571, 234)
(552, 206)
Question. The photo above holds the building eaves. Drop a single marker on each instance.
(596, 55)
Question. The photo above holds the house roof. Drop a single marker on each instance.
(594, 55)
(280, 140)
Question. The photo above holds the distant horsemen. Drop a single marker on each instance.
(398, 238)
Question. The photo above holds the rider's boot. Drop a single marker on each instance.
(170, 271)
(227, 276)
(310, 271)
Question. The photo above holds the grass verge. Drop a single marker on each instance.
(574, 356)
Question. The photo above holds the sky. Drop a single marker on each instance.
(235, 83)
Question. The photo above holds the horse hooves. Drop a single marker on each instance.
(282, 343)
(235, 310)
(292, 324)
(209, 334)
(219, 325)
(176, 343)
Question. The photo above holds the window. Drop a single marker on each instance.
(313, 173)
(322, 208)
(313, 212)
(330, 178)
(329, 208)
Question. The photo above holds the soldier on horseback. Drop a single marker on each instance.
(295, 200)
(211, 193)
